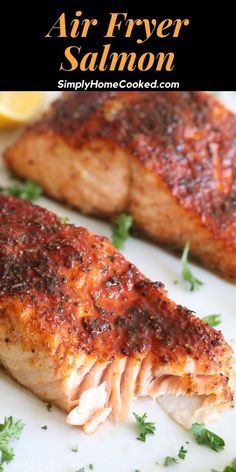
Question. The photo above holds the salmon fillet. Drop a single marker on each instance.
(82, 328)
(167, 158)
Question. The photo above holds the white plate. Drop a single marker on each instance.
(115, 448)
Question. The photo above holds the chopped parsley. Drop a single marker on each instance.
(173, 460)
(49, 407)
(182, 453)
(231, 467)
(186, 271)
(65, 220)
(212, 320)
(28, 190)
(74, 449)
(91, 466)
(144, 427)
(10, 429)
(44, 427)
(228, 468)
(170, 461)
(208, 438)
(120, 229)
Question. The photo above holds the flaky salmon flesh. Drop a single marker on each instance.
(82, 328)
(166, 158)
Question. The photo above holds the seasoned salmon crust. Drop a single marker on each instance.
(82, 328)
(167, 158)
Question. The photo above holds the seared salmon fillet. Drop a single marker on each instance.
(167, 158)
(82, 328)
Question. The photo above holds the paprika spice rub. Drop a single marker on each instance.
(168, 159)
(82, 328)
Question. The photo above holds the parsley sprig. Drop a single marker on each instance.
(120, 230)
(28, 190)
(170, 461)
(206, 437)
(173, 460)
(186, 271)
(182, 453)
(144, 427)
(10, 429)
(65, 220)
(229, 468)
(212, 320)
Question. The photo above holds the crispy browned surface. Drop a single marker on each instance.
(169, 158)
(63, 289)
(84, 329)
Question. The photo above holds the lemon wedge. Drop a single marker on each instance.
(18, 107)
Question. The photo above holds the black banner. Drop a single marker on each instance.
(117, 45)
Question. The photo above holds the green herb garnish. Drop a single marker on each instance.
(120, 229)
(91, 466)
(186, 271)
(205, 437)
(44, 427)
(65, 220)
(228, 468)
(170, 461)
(49, 407)
(182, 453)
(231, 467)
(212, 320)
(28, 190)
(173, 460)
(74, 449)
(143, 427)
(10, 429)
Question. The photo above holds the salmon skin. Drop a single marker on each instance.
(167, 158)
(82, 328)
